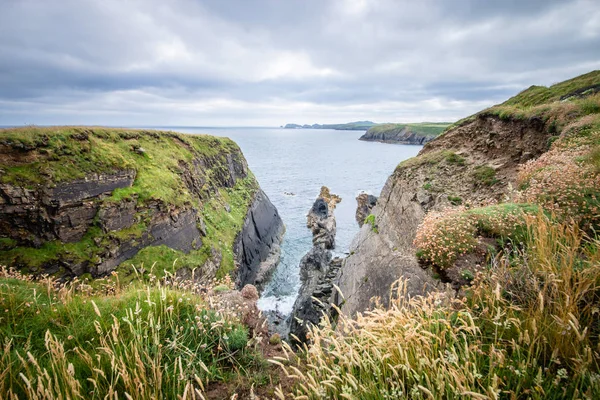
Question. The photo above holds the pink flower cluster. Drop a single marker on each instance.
(563, 182)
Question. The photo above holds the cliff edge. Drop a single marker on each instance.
(87, 200)
(418, 134)
(473, 164)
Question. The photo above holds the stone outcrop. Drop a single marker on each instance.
(257, 246)
(444, 170)
(63, 212)
(366, 203)
(317, 269)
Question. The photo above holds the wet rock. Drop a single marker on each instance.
(317, 269)
(257, 246)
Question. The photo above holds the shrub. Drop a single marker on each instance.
(446, 235)
(565, 181)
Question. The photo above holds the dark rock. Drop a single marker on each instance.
(92, 186)
(396, 134)
(64, 212)
(366, 202)
(317, 269)
(256, 247)
(117, 216)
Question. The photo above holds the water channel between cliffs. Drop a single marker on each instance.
(291, 165)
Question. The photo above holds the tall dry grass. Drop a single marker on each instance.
(527, 328)
(142, 342)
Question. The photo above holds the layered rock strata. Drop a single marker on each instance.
(86, 200)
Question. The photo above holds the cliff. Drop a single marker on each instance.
(473, 164)
(77, 200)
(418, 134)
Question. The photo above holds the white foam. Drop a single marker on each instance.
(284, 304)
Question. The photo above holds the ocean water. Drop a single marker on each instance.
(300, 161)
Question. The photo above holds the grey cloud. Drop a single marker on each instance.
(269, 61)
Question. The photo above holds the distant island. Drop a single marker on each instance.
(415, 133)
(350, 126)
(397, 133)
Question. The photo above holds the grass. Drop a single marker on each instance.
(525, 329)
(484, 175)
(222, 227)
(455, 200)
(140, 341)
(454, 158)
(537, 95)
(424, 128)
(61, 154)
(371, 220)
(58, 154)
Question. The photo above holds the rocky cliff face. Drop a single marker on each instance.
(86, 200)
(401, 134)
(472, 164)
(257, 246)
(317, 268)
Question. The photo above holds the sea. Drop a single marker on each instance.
(291, 165)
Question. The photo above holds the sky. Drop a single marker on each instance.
(272, 62)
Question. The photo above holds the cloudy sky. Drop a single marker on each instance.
(269, 62)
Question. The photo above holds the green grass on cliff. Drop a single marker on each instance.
(537, 95)
(222, 228)
(423, 128)
(46, 156)
(52, 155)
(556, 105)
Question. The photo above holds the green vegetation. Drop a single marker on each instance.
(454, 158)
(527, 329)
(424, 128)
(445, 236)
(370, 219)
(455, 200)
(485, 175)
(538, 95)
(60, 154)
(143, 341)
(557, 105)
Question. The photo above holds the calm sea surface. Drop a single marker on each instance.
(300, 161)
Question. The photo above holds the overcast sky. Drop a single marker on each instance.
(270, 62)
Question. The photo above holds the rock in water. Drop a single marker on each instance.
(321, 220)
(366, 202)
(317, 269)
